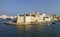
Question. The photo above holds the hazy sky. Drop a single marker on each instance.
(13, 7)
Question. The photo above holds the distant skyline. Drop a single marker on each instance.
(13, 7)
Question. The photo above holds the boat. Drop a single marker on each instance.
(8, 18)
(58, 21)
(53, 22)
(17, 24)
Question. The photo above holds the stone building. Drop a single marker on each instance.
(32, 18)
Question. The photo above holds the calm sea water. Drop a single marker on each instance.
(52, 30)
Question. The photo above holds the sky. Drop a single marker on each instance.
(13, 7)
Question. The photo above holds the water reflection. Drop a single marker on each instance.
(30, 30)
(52, 30)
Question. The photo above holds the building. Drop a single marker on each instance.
(5, 17)
(32, 18)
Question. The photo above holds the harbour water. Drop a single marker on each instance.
(52, 30)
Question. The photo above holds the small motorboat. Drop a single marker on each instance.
(53, 22)
(16, 24)
(10, 23)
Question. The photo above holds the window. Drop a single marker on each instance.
(46, 17)
(27, 14)
(21, 15)
(33, 15)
